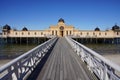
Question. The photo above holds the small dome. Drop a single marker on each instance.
(97, 29)
(7, 27)
(61, 20)
(24, 29)
(115, 27)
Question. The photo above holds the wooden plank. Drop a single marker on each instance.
(63, 64)
(55, 66)
(65, 67)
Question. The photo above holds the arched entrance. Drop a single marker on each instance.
(61, 31)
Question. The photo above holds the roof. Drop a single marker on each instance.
(61, 20)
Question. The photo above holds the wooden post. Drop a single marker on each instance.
(34, 40)
(38, 40)
(27, 40)
(16, 40)
(20, 40)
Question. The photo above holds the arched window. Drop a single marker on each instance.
(117, 33)
(41, 33)
(22, 33)
(87, 33)
(70, 32)
(28, 33)
(56, 32)
(66, 32)
(105, 33)
(35, 33)
(16, 33)
(99, 33)
(81, 33)
(52, 32)
(4, 33)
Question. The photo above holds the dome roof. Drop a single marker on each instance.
(24, 29)
(61, 20)
(7, 27)
(115, 27)
(97, 29)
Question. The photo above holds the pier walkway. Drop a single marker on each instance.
(60, 59)
(63, 64)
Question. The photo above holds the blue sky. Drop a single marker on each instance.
(40, 14)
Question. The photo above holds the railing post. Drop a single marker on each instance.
(105, 76)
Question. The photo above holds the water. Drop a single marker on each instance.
(10, 51)
(109, 51)
(105, 49)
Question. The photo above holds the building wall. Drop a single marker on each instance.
(94, 34)
(67, 30)
(31, 33)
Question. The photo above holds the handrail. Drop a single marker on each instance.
(24, 64)
(96, 63)
(110, 63)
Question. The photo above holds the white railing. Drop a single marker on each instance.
(103, 68)
(21, 67)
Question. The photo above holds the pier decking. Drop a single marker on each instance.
(60, 59)
(63, 64)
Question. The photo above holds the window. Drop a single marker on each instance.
(52, 32)
(81, 33)
(22, 33)
(35, 33)
(105, 33)
(66, 32)
(56, 32)
(99, 33)
(70, 32)
(41, 33)
(117, 33)
(93, 33)
(28, 33)
(61, 28)
(87, 33)
(4, 33)
(16, 33)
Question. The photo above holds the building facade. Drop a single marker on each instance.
(61, 30)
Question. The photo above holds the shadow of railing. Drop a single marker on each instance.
(39, 67)
(20, 68)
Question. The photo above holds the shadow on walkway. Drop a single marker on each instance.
(38, 69)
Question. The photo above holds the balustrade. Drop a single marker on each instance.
(100, 66)
(21, 67)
